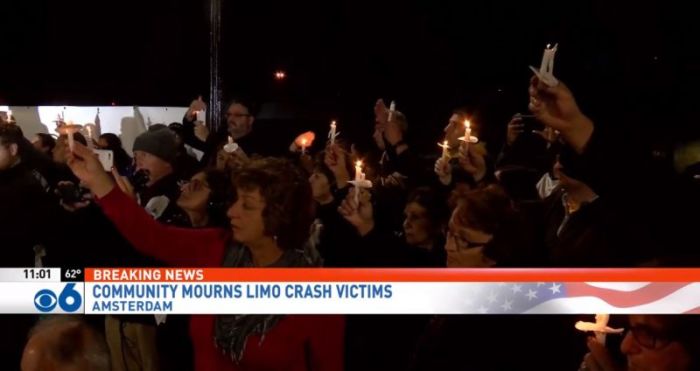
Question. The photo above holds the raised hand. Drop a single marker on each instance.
(443, 170)
(87, 167)
(196, 105)
(361, 215)
(472, 159)
(555, 106)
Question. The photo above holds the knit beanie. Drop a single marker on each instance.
(159, 142)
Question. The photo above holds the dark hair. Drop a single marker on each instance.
(220, 197)
(433, 202)
(78, 137)
(460, 111)
(289, 204)
(485, 209)
(122, 160)
(47, 140)
(684, 329)
(113, 141)
(11, 133)
(245, 102)
(321, 167)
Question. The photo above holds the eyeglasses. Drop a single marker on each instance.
(196, 184)
(464, 244)
(650, 338)
(237, 115)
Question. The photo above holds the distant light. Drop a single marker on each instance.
(280, 75)
(656, 58)
(114, 103)
(500, 90)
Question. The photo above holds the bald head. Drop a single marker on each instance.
(65, 343)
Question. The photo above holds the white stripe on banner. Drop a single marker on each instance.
(681, 301)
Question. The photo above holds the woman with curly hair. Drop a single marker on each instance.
(270, 220)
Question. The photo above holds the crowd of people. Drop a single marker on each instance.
(559, 193)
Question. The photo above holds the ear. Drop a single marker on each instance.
(14, 149)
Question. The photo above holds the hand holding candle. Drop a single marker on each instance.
(231, 146)
(600, 327)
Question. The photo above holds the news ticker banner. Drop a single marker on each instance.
(348, 291)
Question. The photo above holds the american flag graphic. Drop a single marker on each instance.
(583, 297)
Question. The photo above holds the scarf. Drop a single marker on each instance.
(231, 331)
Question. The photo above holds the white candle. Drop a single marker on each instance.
(89, 138)
(358, 178)
(545, 60)
(600, 327)
(303, 145)
(392, 109)
(445, 149)
(467, 133)
(71, 141)
(332, 134)
(201, 116)
(9, 115)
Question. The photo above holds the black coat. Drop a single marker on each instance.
(29, 217)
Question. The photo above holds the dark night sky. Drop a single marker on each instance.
(640, 58)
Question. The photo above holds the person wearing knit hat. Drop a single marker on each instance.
(155, 152)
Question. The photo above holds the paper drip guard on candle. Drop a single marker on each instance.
(546, 71)
(600, 327)
(231, 146)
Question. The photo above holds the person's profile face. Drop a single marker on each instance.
(417, 225)
(649, 346)
(194, 195)
(464, 245)
(246, 216)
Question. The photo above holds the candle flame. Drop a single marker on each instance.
(358, 163)
(333, 123)
(549, 46)
(467, 124)
(303, 142)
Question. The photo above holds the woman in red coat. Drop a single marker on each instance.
(270, 222)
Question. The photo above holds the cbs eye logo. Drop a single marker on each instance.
(69, 300)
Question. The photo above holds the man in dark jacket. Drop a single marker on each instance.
(240, 117)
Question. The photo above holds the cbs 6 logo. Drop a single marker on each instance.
(69, 300)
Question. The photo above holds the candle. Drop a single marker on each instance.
(304, 144)
(358, 178)
(89, 138)
(201, 116)
(600, 327)
(445, 149)
(468, 137)
(9, 115)
(230, 147)
(332, 134)
(392, 109)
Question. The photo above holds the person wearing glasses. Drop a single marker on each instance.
(204, 199)
(239, 119)
(652, 343)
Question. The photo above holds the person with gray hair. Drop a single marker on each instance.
(64, 343)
